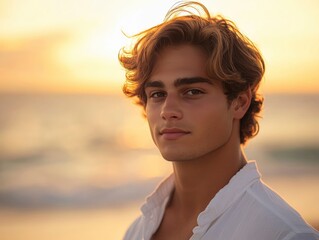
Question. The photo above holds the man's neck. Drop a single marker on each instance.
(198, 181)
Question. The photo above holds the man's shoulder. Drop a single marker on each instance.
(260, 212)
(270, 210)
(271, 203)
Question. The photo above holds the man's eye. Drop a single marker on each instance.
(193, 92)
(157, 95)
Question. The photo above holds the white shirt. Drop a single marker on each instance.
(245, 209)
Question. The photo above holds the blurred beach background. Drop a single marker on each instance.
(76, 158)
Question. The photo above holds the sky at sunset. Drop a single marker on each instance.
(72, 45)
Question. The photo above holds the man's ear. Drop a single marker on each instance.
(241, 104)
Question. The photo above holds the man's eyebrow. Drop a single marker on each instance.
(154, 84)
(191, 80)
(178, 82)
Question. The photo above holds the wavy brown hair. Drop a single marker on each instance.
(233, 59)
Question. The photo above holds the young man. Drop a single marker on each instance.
(197, 79)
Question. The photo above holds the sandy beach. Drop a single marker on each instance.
(95, 224)
(111, 223)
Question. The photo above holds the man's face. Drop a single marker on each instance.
(188, 115)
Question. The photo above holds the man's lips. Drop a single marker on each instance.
(173, 133)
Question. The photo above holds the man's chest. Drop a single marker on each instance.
(173, 227)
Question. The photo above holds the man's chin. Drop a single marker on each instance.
(175, 157)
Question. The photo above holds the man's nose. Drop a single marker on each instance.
(171, 108)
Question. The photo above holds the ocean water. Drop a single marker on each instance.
(73, 151)
(70, 150)
(94, 152)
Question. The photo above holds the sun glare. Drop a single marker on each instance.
(91, 54)
(77, 45)
(91, 57)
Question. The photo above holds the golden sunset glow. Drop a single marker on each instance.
(72, 46)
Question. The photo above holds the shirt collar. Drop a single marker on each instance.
(155, 204)
(154, 207)
(160, 195)
(237, 185)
